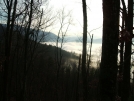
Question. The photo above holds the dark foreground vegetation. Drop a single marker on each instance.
(45, 78)
(31, 71)
(45, 81)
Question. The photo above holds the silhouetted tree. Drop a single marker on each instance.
(11, 12)
(24, 20)
(127, 54)
(108, 68)
(65, 21)
(121, 44)
(84, 50)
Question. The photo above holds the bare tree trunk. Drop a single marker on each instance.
(124, 16)
(127, 54)
(89, 60)
(84, 51)
(62, 17)
(78, 76)
(8, 39)
(26, 52)
(108, 68)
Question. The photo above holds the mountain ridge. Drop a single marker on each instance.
(51, 37)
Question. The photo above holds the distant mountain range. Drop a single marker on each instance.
(79, 39)
(51, 37)
(47, 36)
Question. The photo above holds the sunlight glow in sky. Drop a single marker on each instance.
(94, 16)
(94, 11)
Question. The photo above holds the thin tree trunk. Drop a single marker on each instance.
(8, 39)
(121, 68)
(122, 49)
(84, 51)
(127, 54)
(26, 52)
(89, 60)
(78, 75)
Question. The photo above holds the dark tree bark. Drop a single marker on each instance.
(108, 69)
(78, 76)
(84, 77)
(19, 16)
(127, 54)
(124, 18)
(26, 52)
(8, 39)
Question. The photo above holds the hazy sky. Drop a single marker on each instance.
(95, 20)
(94, 11)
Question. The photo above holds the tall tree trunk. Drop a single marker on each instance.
(78, 76)
(84, 77)
(124, 16)
(8, 39)
(108, 69)
(26, 52)
(127, 54)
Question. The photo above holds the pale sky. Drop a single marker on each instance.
(95, 19)
(94, 11)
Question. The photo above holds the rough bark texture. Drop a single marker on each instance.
(108, 69)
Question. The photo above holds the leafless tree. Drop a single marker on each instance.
(24, 18)
(65, 20)
(127, 54)
(84, 50)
